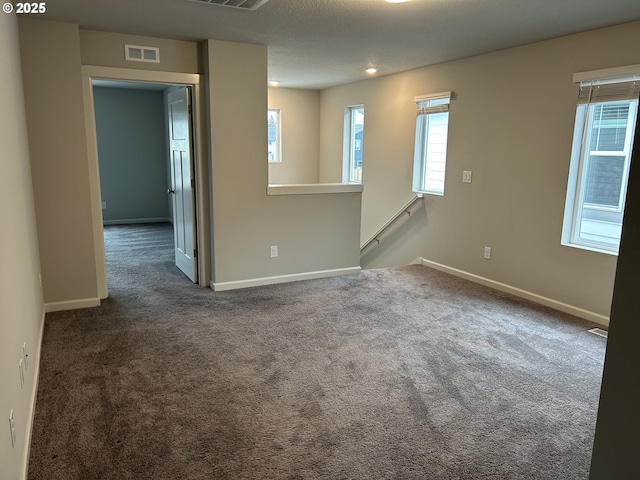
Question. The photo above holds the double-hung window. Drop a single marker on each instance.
(430, 153)
(601, 155)
(353, 144)
(274, 135)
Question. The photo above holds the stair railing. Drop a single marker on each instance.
(394, 223)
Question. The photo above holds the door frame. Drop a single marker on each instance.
(203, 237)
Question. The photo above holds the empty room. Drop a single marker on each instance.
(366, 239)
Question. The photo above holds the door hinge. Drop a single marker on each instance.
(189, 108)
(195, 253)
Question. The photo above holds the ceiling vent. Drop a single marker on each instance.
(138, 53)
(244, 4)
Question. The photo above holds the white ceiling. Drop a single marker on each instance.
(321, 43)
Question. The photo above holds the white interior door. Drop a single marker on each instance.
(182, 183)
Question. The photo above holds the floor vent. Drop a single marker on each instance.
(244, 4)
(137, 53)
(599, 332)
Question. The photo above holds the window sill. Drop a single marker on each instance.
(423, 192)
(590, 248)
(314, 188)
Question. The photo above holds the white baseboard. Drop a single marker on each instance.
(130, 221)
(71, 305)
(32, 400)
(518, 292)
(294, 277)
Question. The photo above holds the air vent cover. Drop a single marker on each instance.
(244, 4)
(600, 332)
(138, 53)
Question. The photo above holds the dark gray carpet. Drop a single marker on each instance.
(403, 373)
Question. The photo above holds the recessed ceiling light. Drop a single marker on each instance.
(274, 83)
(371, 70)
(396, 1)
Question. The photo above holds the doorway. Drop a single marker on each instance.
(145, 153)
(181, 196)
(144, 134)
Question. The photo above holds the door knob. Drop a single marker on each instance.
(170, 191)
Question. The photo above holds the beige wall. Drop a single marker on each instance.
(300, 127)
(107, 49)
(313, 232)
(52, 54)
(247, 221)
(21, 304)
(55, 119)
(511, 123)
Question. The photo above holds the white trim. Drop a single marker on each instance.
(625, 71)
(145, 76)
(32, 400)
(588, 247)
(71, 305)
(518, 292)
(129, 221)
(293, 277)
(314, 188)
(94, 187)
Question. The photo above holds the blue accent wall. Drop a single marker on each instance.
(132, 153)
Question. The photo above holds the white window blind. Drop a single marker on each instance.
(609, 90)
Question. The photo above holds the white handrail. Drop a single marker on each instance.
(378, 237)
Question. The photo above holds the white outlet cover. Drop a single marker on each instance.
(466, 176)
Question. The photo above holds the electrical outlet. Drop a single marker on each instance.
(12, 429)
(25, 356)
(466, 176)
(274, 251)
(487, 253)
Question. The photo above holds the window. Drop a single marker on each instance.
(430, 153)
(274, 136)
(353, 144)
(600, 160)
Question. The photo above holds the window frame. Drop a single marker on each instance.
(428, 108)
(351, 173)
(278, 143)
(626, 152)
(581, 153)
